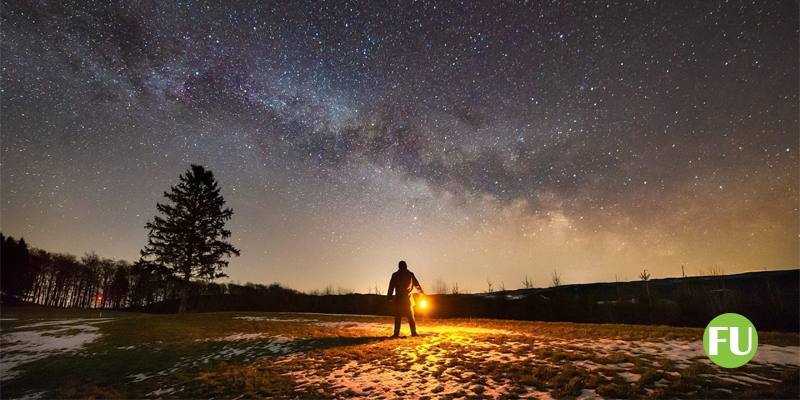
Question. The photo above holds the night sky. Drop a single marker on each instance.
(477, 141)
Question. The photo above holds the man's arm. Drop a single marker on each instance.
(416, 284)
(391, 287)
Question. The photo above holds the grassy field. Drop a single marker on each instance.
(70, 353)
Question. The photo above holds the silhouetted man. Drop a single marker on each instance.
(402, 283)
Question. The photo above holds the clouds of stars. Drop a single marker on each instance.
(494, 139)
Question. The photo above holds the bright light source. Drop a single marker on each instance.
(423, 304)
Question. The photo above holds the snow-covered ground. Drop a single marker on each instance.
(442, 362)
(31, 342)
(344, 356)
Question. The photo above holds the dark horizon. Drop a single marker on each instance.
(434, 286)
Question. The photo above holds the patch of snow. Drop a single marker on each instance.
(160, 391)
(274, 345)
(62, 322)
(620, 366)
(355, 325)
(763, 378)
(779, 355)
(236, 337)
(236, 348)
(372, 380)
(587, 394)
(532, 393)
(682, 351)
(29, 343)
(587, 365)
(33, 396)
(739, 379)
(139, 377)
(661, 383)
(630, 376)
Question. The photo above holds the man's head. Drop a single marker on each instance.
(402, 266)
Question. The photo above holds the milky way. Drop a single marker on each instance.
(479, 141)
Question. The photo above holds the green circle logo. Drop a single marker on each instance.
(730, 340)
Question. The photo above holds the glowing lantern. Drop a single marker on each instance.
(99, 297)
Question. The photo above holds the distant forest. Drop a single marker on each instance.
(64, 280)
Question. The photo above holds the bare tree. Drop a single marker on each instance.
(502, 286)
(343, 290)
(454, 289)
(489, 285)
(373, 289)
(555, 278)
(527, 283)
(715, 271)
(439, 287)
(644, 275)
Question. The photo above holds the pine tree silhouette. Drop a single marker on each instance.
(189, 240)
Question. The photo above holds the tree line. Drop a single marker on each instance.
(63, 280)
(187, 246)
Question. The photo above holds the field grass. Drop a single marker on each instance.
(77, 353)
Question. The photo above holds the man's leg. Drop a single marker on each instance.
(411, 322)
(397, 321)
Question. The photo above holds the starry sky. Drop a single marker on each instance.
(479, 141)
